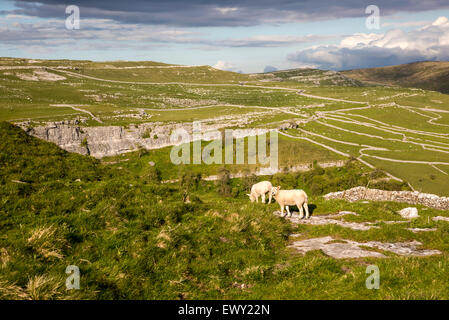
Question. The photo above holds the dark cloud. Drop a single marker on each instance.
(355, 58)
(430, 42)
(220, 12)
(269, 69)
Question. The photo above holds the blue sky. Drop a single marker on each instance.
(245, 36)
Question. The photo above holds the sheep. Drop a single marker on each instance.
(290, 198)
(260, 189)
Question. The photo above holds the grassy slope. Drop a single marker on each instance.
(116, 103)
(426, 75)
(291, 152)
(133, 237)
(308, 76)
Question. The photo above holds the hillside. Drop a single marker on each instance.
(426, 75)
(134, 237)
(308, 76)
(108, 109)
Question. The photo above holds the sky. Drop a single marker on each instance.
(243, 36)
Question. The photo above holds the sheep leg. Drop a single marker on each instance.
(288, 210)
(301, 212)
(270, 196)
(263, 198)
(282, 210)
(307, 210)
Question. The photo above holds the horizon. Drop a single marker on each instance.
(240, 36)
(172, 64)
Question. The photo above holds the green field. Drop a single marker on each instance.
(141, 227)
(135, 238)
(410, 124)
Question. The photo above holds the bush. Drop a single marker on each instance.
(224, 182)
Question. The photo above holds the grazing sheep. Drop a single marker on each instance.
(291, 198)
(260, 189)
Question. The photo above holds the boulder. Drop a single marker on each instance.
(409, 213)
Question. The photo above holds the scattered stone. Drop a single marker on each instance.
(224, 239)
(335, 250)
(388, 222)
(324, 220)
(18, 181)
(295, 235)
(352, 249)
(341, 213)
(39, 75)
(151, 163)
(409, 213)
(362, 193)
(440, 218)
(416, 230)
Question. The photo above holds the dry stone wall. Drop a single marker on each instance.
(362, 193)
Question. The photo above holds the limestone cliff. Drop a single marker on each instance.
(102, 141)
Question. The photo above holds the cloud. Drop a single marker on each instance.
(108, 33)
(200, 13)
(224, 65)
(270, 40)
(361, 50)
(270, 69)
(91, 30)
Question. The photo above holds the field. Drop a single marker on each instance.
(135, 238)
(140, 227)
(404, 128)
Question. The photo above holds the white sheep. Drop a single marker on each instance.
(290, 198)
(260, 189)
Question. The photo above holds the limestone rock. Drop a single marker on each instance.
(328, 219)
(440, 218)
(351, 249)
(409, 213)
(102, 141)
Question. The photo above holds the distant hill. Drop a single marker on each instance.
(429, 75)
(142, 71)
(309, 76)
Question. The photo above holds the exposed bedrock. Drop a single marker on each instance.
(102, 141)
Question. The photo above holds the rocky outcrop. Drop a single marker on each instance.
(345, 249)
(102, 141)
(329, 219)
(362, 193)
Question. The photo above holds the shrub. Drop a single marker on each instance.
(224, 182)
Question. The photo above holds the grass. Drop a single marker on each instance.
(291, 152)
(134, 238)
(430, 75)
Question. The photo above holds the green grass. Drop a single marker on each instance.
(134, 238)
(292, 152)
(430, 75)
(120, 104)
(423, 177)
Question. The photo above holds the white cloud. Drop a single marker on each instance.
(430, 42)
(223, 65)
(226, 10)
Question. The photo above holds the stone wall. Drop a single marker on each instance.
(362, 193)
